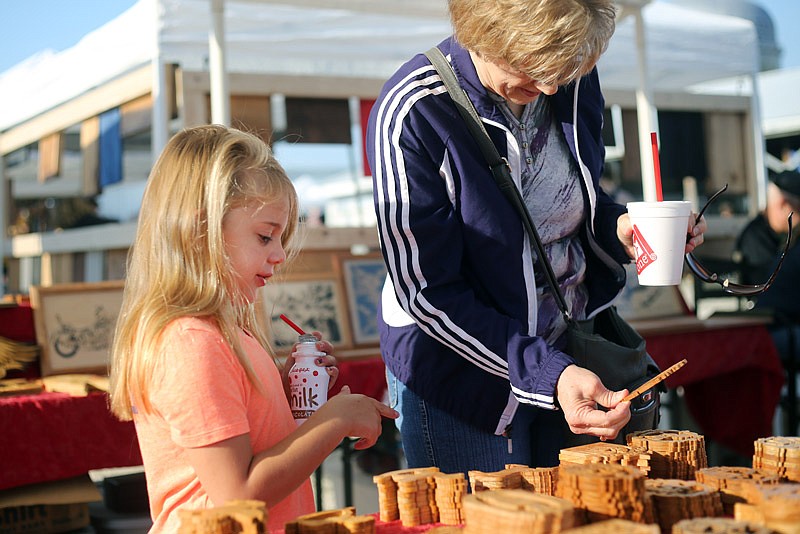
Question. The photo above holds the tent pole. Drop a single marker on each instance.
(160, 121)
(220, 97)
(759, 145)
(645, 111)
(3, 234)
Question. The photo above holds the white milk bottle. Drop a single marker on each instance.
(308, 382)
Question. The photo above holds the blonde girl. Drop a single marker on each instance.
(190, 364)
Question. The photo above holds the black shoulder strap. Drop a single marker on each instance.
(497, 164)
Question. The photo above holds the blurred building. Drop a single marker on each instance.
(770, 51)
(85, 123)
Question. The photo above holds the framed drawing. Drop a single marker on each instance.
(313, 303)
(75, 325)
(363, 279)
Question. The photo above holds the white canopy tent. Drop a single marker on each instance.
(658, 47)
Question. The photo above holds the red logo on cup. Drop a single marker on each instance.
(644, 252)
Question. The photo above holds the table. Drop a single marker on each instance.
(733, 379)
(53, 436)
(732, 386)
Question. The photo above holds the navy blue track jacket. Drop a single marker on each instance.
(458, 314)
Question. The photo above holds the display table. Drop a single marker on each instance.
(53, 436)
(732, 386)
(733, 379)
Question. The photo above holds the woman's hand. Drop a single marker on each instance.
(694, 237)
(695, 233)
(579, 392)
(625, 234)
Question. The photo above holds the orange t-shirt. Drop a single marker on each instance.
(200, 396)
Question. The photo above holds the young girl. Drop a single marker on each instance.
(189, 363)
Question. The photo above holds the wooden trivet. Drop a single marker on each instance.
(242, 516)
(718, 525)
(674, 500)
(604, 491)
(731, 483)
(511, 511)
(542, 480)
(676, 454)
(607, 453)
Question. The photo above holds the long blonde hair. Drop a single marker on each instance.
(177, 266)
(551, 41)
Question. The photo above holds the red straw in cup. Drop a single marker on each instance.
(656, 166)
(291, 323)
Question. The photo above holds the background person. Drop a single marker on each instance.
(190, 363)
(761, 242)
(470, 334)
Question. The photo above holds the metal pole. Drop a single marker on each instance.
(760, 147)
(3, 216)
(160, 121)
(645, 111)
(220, 94)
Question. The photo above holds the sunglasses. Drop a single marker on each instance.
(732, 288)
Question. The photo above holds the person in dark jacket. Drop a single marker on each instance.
(761, 242)
(470, 333)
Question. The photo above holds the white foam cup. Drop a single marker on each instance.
(659, 237)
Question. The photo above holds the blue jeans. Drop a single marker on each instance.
(432, 437)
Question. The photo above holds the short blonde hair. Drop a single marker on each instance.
(551, 41)
(177, 265)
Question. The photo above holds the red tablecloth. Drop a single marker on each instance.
(732, 381)
(366, 376)
(52, 436)
(732, 386)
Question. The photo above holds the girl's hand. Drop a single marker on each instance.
(328, 362)
(360, 416)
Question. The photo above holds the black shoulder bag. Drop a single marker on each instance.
(605, 344)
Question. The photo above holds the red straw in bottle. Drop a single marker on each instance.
(291, 323)
(656, 166)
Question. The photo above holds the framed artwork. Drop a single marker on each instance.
(312, 303)
(75, 325)
(649, 302)
(363, 279)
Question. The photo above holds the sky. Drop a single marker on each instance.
(30, 26)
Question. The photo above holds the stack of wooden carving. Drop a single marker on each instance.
(516, 510)
(673, 453)
(409, 495)
(606, 488)
(732, 482)
(15, 355)
(537, 479)
(604, 491)
(244, 517)
(778, 455)
(340, 521)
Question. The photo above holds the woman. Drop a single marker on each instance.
(470, 333)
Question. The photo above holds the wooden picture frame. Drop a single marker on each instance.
(363, 279)
(75, 325)
(312, 302)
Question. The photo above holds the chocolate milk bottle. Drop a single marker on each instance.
(308, 382)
